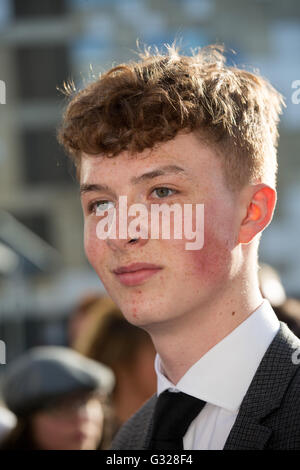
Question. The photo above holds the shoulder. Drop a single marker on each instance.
(285, 420)
(280, 367)
(292, 395)
(132, 435)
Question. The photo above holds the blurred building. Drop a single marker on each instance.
(42, 44)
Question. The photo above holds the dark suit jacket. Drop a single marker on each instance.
(269, 416)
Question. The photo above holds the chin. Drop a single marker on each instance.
(137, 318)
(139, 307)
(147, 318)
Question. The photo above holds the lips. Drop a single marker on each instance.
(136, 273)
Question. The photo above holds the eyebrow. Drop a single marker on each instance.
(161, 171)
(85, 188)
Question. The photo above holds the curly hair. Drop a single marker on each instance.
(141, 104)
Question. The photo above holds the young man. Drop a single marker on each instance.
(190, 131)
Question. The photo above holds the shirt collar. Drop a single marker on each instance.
(222, 376)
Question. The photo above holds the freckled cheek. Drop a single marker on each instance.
(93, 246)
(213, 260)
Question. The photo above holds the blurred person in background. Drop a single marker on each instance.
(286, 308)
(57, 396)
(126, 349)
(80, 317)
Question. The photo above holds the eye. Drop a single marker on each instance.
(98, 207)
(163, 192)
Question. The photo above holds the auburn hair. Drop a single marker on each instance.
(141, 104)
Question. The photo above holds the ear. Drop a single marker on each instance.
(260, 205)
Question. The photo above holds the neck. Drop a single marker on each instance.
(184, 340)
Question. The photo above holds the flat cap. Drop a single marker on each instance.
(44, 374)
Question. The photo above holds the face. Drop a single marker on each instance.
(76, 424)
(181, 171)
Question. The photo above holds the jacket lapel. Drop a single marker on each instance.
(265, 393)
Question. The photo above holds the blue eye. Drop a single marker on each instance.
(163, 192)
(103, 206)
(98, 207)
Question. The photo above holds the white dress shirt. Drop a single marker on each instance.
(222, 377)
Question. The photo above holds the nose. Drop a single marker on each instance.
(81, 413)
(121, 244)
(128, 232)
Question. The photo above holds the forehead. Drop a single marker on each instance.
(184, 156)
